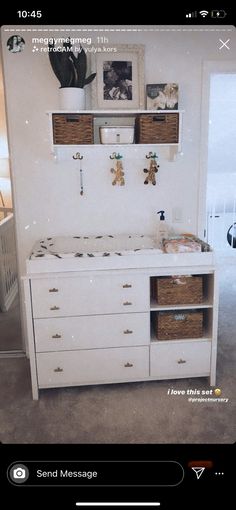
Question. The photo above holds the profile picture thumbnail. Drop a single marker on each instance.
(15, 43)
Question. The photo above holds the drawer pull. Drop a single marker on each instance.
(128, 365)
(56, 336)
(58, 369)
(127, 286)
(127, 332)
(55, 308)
(127, 303)
(53, 290)
(181, 361)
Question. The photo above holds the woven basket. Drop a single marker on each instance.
(157, 128)
(72, 129)
(184, 324)
(178, 290)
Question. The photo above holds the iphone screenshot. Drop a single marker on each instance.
(117, 257)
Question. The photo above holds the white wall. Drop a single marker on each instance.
(47, 200)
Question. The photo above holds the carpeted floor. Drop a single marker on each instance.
(125, 413)
(10, 328)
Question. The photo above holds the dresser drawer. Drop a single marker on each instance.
(181, 359)
(95, 366)
(96, 331)
(58, 297)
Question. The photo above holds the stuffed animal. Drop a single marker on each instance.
(151, 172)
(119, 174)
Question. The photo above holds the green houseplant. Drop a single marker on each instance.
(71, 72)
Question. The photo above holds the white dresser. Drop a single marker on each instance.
(96, 326)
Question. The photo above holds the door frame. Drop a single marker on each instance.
(209, 67)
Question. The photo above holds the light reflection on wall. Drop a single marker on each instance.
(5, 188)
(5, 183)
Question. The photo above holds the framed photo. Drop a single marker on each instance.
(119, 82)
(162, 96)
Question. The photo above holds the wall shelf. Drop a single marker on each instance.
(114, 113)
(109, 118)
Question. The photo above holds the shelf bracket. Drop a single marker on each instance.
(173, 151)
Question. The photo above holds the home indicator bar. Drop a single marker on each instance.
(117, 504)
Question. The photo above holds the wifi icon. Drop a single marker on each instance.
(204, 13)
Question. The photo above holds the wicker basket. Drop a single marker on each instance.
(178, 290)
(185, 324)
(157, 128)
(72, 129)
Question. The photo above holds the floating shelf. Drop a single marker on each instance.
(60, 150)
(110, 113)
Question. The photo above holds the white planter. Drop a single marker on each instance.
(71, 98)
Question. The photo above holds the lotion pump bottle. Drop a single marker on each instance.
(162, 232)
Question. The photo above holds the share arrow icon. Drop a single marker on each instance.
(198, 471)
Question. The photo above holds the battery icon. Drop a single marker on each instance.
(218, 14)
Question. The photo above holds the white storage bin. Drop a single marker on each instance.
(116, 135)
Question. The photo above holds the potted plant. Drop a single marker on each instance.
(71, 72)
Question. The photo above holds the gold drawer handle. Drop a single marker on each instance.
(127, 286)
(58, 369)
(55, 308)
(127, 332)
(128, 365)
(181, 361)
(56, 336)
(127, 303)
(53, 290)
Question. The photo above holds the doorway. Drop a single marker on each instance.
(217, 197)
(221, 175)
(10, 324)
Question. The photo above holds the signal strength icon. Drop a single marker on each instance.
(191, 14)
(203, 13)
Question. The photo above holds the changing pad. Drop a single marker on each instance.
(92, 246)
